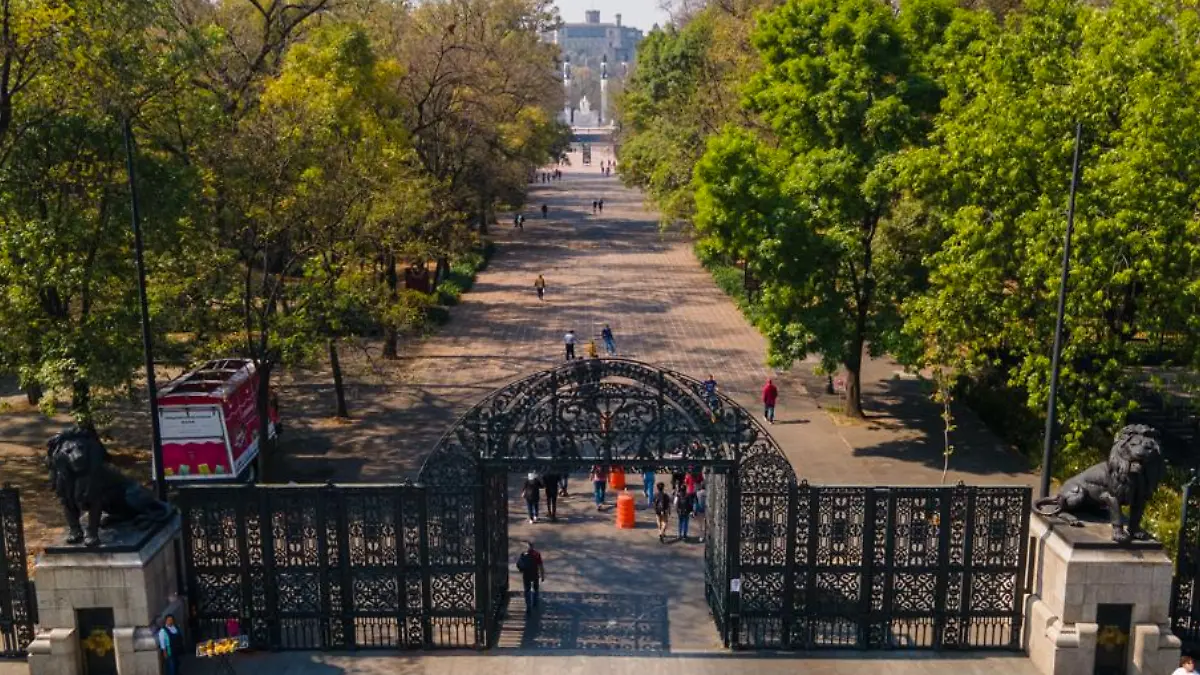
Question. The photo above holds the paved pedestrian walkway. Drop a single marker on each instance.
(406, 663)
(618, 267)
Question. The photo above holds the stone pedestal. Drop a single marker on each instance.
(134, 574)
(1097, 606)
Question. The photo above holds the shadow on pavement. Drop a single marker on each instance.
(589, 623)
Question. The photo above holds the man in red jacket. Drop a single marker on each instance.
(769, 395)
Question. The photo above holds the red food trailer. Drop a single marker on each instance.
(209, 423)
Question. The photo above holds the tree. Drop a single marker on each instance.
(997, 178)
(842, 95)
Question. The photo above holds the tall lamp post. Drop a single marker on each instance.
(1051, 406)
(160, 483)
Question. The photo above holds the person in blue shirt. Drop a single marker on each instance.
(170, 645)
(610, 345)
(648, 485)
(710, 390)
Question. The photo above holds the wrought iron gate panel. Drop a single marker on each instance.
(17, 605)
(766, 486)
(883, 568)
(495, 498)
(301, 567)
(716, 551)
(1185, 589)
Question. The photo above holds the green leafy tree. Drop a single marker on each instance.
(997, 179)
(843, 95)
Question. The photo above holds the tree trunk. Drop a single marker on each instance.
(339, 386)
(441, 271)
(33, 393)
(854, 376)
(81, 399)
(391, 334)
(263, 403)
(483, 215)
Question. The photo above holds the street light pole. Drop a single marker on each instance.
(160, 483)
(1051, 406)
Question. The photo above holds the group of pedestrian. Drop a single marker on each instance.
(570, 339)
(547, 176)
(552, 484)
(606, 167)
(688, 498)
(597, 206)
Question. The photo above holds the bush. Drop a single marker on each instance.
(449, 292)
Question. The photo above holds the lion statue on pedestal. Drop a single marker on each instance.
(86, 482)
(1134, 467)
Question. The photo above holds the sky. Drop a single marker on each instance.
(637, 13)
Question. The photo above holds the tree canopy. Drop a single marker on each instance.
(896, 180)
(293, 158)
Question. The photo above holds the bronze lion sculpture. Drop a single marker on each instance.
(86, 483)
(1129, 477)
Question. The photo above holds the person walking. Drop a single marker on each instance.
(545, 210)
(689, 483)
(569, 343)
(648, 485)
(540, 285)
(710, 391)
(701, 507)
(610, 344)
(170, 645)
(601, 204)
(594, 202)
(550, 484)
(662, 511)
(770, 394)
(531, 491)
(533, 574)
(521, 222)
(684, 504)
(599, 483)
(676, 480)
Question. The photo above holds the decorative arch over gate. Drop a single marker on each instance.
(612, 412)
(616, 412)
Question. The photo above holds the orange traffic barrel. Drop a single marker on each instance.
(616, 478)
(625, 511)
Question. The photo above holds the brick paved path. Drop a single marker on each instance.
(664, 308)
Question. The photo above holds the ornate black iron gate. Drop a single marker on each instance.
(1185, 586)
(881, 568)
(787, 565)
(333, 567)
(17, 605)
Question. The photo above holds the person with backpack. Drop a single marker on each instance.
(599, 482)
(550, 485)
(531, 492)
(685, 503)
(533, 573)
(662, 511)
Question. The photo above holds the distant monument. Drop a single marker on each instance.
(586, 117)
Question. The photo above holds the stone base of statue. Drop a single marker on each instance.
(1096, 606)
(99, 608)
